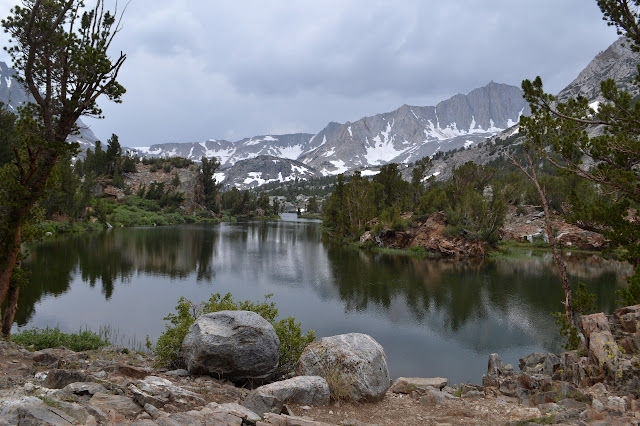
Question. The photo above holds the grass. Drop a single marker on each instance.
(38, 339)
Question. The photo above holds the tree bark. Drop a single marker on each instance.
(10, 311)
(9, 263)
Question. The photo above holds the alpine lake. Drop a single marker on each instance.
(433, 317)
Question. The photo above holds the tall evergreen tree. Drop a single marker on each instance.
(60, 52)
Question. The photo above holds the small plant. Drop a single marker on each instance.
(292, 341)
(53, 337)
(339, 386)
(50, 402)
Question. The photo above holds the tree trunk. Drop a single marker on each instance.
(562, 268)
(10, 311)
(9, 263)
(557, 256)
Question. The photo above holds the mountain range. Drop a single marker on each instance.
(401, 136)
(617, 62)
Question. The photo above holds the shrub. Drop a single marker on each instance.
(292, 341)
(53, 337)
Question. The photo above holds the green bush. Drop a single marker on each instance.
(292, 341)
(53, 337)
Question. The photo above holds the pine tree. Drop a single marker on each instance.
(60, 53)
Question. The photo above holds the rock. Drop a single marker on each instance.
(282, 420)
(411, 384)
(116, 404)
(495, 365)
(74, 410)
(603, 350)
(629, 318)
(473, 394)
(58, 379)
(551, 364)
(593, 323)
(303, 390)
(158, 391)
(532, 363)
(261, 403)
(235, 345)
(51, 356)
(152, 411)
(178, 373)
(616, 404)
(33, 411)
(135, 372)
(433, 397)
(354, 363)
(145, 399)
(237, 410)
(83, 388)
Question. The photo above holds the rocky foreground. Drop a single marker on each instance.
(599, 385)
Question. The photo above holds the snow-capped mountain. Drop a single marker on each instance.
(264, 169)
(412, 132)
(228, 153)
(617, 62)
(403, 136)
(12, 94)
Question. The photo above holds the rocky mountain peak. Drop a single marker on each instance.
(618, 62)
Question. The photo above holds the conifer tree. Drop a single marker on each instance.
(60, 52)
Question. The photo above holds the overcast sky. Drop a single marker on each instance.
(212, 69)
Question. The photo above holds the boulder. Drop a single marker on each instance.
(303, 390)
(354, 365)
(33, 411)
(58, 379)
(235, 345)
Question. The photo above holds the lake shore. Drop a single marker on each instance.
(117, 371)
(113, 385)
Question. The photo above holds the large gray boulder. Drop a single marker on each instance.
(236, 345)
(354, 365)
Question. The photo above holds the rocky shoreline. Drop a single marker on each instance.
(598, 385)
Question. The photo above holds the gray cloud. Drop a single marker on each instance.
(201, 69)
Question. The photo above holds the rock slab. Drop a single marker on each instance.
(417, 384)
(303, 390)
(354, 362)
(236, 345)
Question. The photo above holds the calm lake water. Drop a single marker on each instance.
(433, 317)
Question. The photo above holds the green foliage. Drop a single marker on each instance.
(631, 295)
(583, 303)
(8, 137)
(292, 341)
(84, 340)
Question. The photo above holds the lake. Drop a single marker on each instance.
(434, 317)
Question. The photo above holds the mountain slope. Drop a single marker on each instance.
(617, 62)
(411, 132)
(264, 169)
(229, 153)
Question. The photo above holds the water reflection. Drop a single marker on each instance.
(416, 308)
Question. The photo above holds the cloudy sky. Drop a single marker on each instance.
(202, 69)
